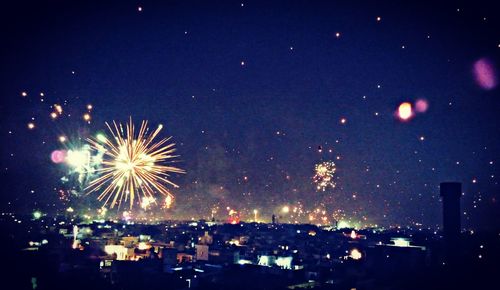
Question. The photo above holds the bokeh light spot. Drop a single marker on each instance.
(58, 156)
(484, 74)
(405, 111)
(421, 105)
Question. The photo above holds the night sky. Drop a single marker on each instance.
(255, 94)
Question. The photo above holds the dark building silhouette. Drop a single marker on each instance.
(451, 193)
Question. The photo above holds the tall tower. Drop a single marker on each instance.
(451, 193)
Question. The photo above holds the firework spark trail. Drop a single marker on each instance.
(323, 176)
(133, 165)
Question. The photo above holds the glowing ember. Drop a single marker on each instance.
(86, 117)
(405, 111)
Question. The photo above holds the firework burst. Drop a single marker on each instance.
(323, 176)
(134, 167)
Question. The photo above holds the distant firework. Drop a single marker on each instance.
(323, 176)
(81, 162)
(133, 165)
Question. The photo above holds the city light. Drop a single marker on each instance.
(401, 242)
(37, 214)
(355, 254)
(342, 224)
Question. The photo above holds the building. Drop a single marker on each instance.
(451, 193)
(201, 252)
(122, 253)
